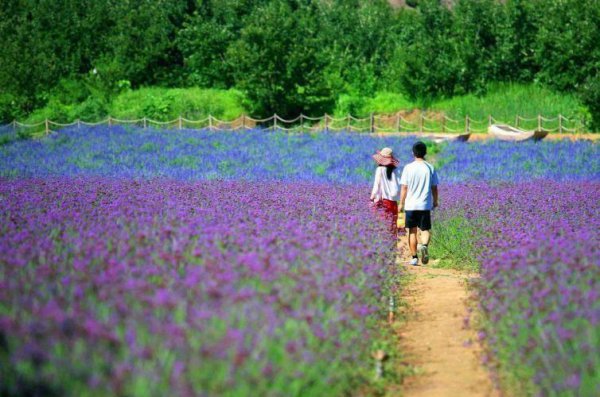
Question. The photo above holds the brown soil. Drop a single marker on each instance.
(441, 352)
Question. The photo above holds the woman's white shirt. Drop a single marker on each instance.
(384, 188)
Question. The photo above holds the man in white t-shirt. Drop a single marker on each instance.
(418, 196)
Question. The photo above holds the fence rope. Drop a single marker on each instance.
(260, 120)
(216, 120)
(94, 124)
(61, 124)
(149, 121)
(195, 121)
(334, 120)
(29, 125)
(126, 121)
(526, 118)
(454, 130)
(357, 129)
(426, 129)
(358, 118)
(550, 119)
(478, 121)
(374, 123)
(312, 118)
(569, 129)
(287, 121)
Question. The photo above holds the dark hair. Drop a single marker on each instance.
(388, 170)
(419, 149)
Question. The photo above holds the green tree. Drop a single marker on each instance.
(516, 30)
(427, 63)
(43, 41)
(205, 37)
(140, 45)
(357, 39)
(475, 35)
(590, 96)
(568, 43)
(278, 62)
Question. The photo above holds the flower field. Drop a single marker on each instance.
(139, 262)
(538, 246)
(184, 288)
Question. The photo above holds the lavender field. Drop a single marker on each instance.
(538, 249)
(139, 262)
(188, 288)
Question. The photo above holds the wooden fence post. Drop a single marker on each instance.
(301, 122)
(244, 121)
(326, 122)
(467, 124)
(110, 122)
(210, 126)
(490, 120)
(560, 128)
(348, 122)
(180, 122)
(145, 123)
(78, 123)
(47, 127)
(14, 125)
(539, 120)
(372, 127)
(275, 122)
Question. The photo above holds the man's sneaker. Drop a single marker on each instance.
(424, 254)
(414, 261)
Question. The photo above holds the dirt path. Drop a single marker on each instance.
(439, 349)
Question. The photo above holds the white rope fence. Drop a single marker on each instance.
(415, 123)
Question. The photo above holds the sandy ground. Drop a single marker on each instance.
(440, 350)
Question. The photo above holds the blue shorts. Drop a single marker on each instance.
(420, 219)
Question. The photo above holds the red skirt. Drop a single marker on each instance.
(389, 211)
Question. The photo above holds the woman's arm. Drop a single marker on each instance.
(375, 191)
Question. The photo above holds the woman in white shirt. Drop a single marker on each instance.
(386, 188)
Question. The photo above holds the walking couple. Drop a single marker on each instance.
(416, 190)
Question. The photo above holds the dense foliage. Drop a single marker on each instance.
(292, 56)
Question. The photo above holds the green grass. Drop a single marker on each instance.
(453, 244)
(505, 101)
(502, 101)
(161, 104)
(169, 103)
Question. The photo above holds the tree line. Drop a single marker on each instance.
(293, 56)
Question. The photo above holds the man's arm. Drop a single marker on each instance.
(434, 191)
(403, 193)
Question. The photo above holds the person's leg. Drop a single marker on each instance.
(412, 228)
(412, 240)
(425, 226)
(425, 236)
